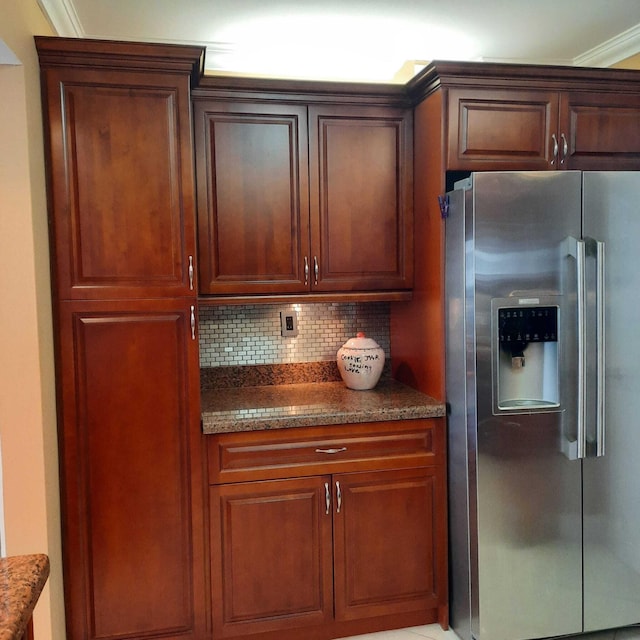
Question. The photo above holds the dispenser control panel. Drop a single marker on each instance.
(528, 324)
(526, 352)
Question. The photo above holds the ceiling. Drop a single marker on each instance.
(363, 40)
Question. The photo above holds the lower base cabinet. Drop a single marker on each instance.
(272, 560)
(327, 555)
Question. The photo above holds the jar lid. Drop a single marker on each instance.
(361, 342)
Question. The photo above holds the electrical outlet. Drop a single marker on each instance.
(288, 324)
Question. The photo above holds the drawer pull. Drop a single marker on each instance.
(330, 451)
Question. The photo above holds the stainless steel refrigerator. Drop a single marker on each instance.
(543, 393)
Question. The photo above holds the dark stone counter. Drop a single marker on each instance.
(310, 404)
(22, 579)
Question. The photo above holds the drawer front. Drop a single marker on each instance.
(309, 451)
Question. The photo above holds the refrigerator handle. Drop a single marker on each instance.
(600, 350)
(582, 347)
(577, 249)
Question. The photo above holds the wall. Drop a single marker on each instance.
(27, 398)
(250, 334)
(629, 63)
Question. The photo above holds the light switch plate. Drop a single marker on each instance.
(289, 324)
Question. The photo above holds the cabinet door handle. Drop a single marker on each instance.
(327, 498)
(316, 269)
(565, 148)
(191, 273)
(306, 270)
(331, 450)
(193, 322)
(555, 148)
(338, 497)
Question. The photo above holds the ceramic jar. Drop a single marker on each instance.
(360, 362)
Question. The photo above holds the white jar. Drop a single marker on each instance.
(360, 362)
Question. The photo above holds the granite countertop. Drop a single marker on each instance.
(22, 579)
(281, 406)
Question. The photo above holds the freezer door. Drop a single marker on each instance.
(528, 529)
(612, 481)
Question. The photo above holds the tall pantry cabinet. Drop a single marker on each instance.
(122, 226)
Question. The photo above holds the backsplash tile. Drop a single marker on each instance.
(250, 334)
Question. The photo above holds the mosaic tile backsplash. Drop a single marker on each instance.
(250, 334)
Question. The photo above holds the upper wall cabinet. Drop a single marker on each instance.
(537, 118)
(253, 197)
(361, 175)
(121, 170)
(300, 198)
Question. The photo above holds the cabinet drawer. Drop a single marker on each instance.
(307, 451)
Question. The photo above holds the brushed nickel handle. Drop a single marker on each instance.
(331, 451)
(306, 270)
(193, 322)
(600, 342)
(338, 497)
(582, 347)
(327, 498)
(555, 148)
(316, 269)
(565, 148)
(191, 273)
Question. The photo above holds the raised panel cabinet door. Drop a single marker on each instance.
(253, 198)
(493, 130)
(361, 179)
(386, 540)
(121, 182)
(131, 479)
(602, 130)
(271, 561)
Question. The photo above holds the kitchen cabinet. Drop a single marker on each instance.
(120, 167)
(300, 198)
(122, 220)
(129, 451)
(253, 197)
(271, 553)
(487, 117)
(352, 523)
(361, 173)
(542, 130)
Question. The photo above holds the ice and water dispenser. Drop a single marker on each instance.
(526, 350)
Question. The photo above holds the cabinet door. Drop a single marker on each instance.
(121, 183)
(132, 494)
(253, 211)
(493, 130)
(602, 130)
(271, 556)
(361, 165)
(387, 549)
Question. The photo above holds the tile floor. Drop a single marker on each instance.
(434, 632)
(431, 631)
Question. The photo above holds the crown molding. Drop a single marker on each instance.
(622, 46)
(62, 16)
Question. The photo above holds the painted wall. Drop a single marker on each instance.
(27, 388)
(629, 63)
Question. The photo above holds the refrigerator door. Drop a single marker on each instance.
(611, 481)
(528, 493)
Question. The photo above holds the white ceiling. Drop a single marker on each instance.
(363, 39)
